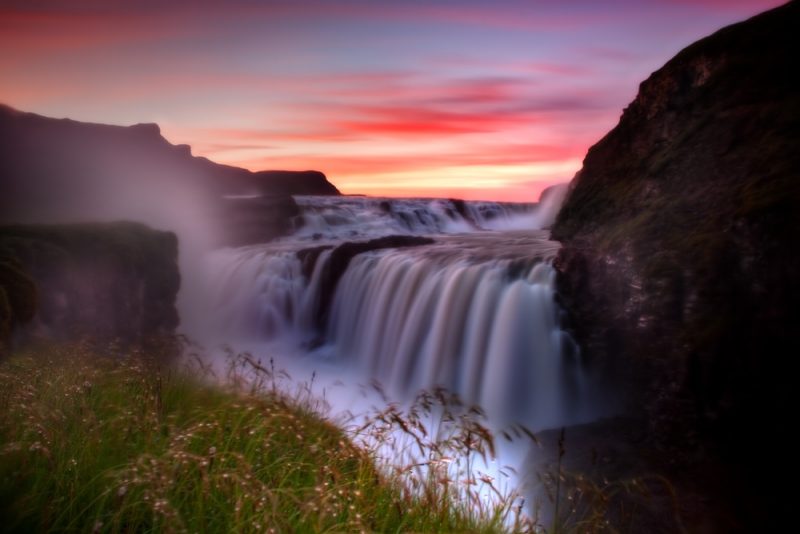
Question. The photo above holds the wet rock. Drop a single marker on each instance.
(247, 221)
(113, 281)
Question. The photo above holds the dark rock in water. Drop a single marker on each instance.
(247, 221)
(115, 281)
(308, 258)
(60, 170)
(461, 208)
(292, 183)
(342, 255)
(680, 265)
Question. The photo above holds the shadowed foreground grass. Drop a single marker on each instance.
(98, 444)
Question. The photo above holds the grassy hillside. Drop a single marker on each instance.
(101, 444)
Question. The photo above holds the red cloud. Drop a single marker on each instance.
(426, 120)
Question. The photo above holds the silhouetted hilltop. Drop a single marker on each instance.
(56, 169)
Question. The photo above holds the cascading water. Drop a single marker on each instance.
(356, 295)
(485, 329)
(354, 217)
(473, 311)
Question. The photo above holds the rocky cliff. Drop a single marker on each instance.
(107, 282)
(57, 170)
(680, 261)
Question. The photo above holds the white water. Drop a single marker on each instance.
(473, 312)
(484, 328)
(368, 217)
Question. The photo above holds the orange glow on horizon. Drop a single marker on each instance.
(467, 99)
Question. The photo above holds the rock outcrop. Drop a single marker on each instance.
(680, 264)
(104, 282)
(340, 258)
(258, 220)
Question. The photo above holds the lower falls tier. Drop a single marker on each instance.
(472, 313)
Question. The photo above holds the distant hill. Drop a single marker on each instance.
(56, 170)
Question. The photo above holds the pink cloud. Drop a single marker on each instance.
(726, 5)
(31, 32)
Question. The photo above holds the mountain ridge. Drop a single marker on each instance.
(62, 171)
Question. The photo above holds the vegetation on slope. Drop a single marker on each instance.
(121, 444)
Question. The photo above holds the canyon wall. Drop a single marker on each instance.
(680, 230)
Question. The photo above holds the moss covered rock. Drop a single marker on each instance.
(101, 281)
(18, 298)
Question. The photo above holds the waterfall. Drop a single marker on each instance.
(453, 294)
(474, 313)
(353, 217)
(264, 294)
(486, 331)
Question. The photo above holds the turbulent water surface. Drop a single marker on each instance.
(473, 310)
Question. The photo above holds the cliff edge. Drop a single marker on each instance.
(679, 267)
(103, 282)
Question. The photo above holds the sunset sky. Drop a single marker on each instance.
(491, 100)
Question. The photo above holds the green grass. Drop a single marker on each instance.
(92, 443)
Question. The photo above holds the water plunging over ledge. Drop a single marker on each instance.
(473, 311)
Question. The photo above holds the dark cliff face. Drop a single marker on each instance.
(114, 281)
(680, 258)
(58, 171)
